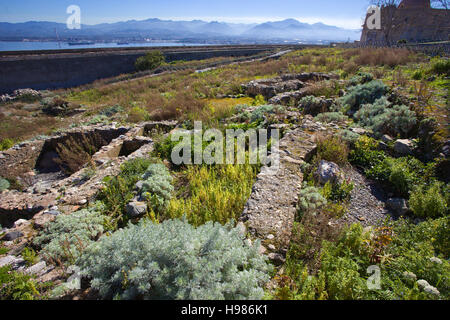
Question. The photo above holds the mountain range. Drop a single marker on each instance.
(156, 29)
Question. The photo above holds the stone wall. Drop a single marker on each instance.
(64, 70)
(412, 25)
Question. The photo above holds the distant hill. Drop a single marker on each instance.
(286, 30)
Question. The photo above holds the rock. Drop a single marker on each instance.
(37, 269)
(41, 219)
(262, 249)
(432, 290)
(328, 171)
(423, 283)
(21, 222)
(446, 149)
(398, 205)
(436, 260)
(403, 147)
(270, 237)
(53, 212)
(386, 138)
(277, 258)
(6, 261)
(82, 202)
(138, 185)
(136, 209)
(359, 131)
(410, 275)
(271, 247)
(11, 236)
(13, 261)
(241, 228)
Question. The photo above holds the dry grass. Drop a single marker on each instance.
(384, 57)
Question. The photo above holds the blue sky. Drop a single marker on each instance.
(348, 13)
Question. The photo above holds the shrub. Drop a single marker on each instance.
(332, 148)
(337, 191)
(216, 193)
(381, 119)
(118, 191)
(17, 286)
(360, 78)
(138, 114)
(174, 260)
(349, 136)
(441, 67)
(150, 61)
(110, 111)
(310, 200)
(4, 184)
(6, 144)
(365, 153)
(63, 240)
(328, 117)
(30, 256)
(428, 201)
(363, 94)
(157, 187)
(402, 173)
(259, 114)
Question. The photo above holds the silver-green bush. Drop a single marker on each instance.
(174, 260)
(63, 240)
(4, 184)
(309, 200)
(363, 94)
(157, 186)
(383, 119)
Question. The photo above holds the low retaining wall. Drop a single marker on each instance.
(65, 70)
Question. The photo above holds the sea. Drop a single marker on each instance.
(35, 45)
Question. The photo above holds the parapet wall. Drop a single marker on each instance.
(65, 70)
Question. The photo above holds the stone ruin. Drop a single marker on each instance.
(413, 21)
(38, 167)
(286, 88)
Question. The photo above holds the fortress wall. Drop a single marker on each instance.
(53, 71)
(412, 25)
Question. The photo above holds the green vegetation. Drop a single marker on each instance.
(118, 191)
(30, 256)
(310, 200)
(363, 94)
(150, 61)
(185, 247)
(6, 144)
(328, 117)
(174, 260)
(4, 184)
(332, 148)
(216, 193)
(17, 286)
(399, 249)
(381, 119)
(157, 186)
(429, 202)
(63, 240)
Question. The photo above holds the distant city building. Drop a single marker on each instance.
(413, 21)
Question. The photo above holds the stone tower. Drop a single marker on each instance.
(413, 21)
(415, 4)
